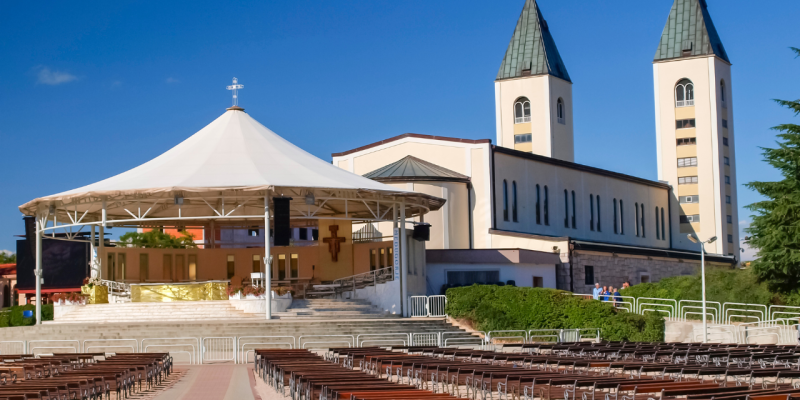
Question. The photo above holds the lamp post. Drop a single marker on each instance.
(694, 239)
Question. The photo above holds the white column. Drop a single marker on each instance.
(92, 251)
(38, 272)
(403, 257)
(267, 264)
(102, 246)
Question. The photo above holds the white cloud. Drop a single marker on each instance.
(48, 77)
(7, 252)
(172, 80)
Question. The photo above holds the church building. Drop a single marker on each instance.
(523, 210)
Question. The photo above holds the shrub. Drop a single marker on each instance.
(12, 316)
(513, 308)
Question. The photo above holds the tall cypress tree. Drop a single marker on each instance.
(775, 230)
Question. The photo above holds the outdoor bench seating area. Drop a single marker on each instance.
(83, 376)
(543, 371)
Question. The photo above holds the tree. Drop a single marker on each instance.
(7, 258)
(775, 228)
(157, 239)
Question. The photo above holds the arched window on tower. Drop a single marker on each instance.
(522, 110)
(505, 200)
(560, 111)
(684, 93)
(722, 94)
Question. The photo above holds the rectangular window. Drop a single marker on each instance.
(180, 267)
(538, 281)
(281, 267)
(684, 123)
(727, 161)
(730, 219)
(294, 266)
(727, 180)
(303, 234)
(467, 278)
(230, 266)
(687, 180)
(121, 267)
(382, 259)
(390, 257)
(730, 238)
(725, 123)
(315, 234)
(687, 141)
(591, 211)
(373, 259)
(166, 268)
(689, 199)
(687, 162)
(727, 199)
(111, 270)
(724, 141)
(144, 267)
(686, 219)
(524, 138)
(256, 263)
(192, 267)
(588, 275)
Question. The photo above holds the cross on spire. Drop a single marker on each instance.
(235, 88)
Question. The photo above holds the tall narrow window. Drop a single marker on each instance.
(294, 265)
(231, 266)
(281, 267)
(505, 200)
(546, 206)
(256, 263)
(122, 270)
(166, 268)
(722, 94)
(591, 211)
(643, 231)
(111, 269)
(616, 221)
(636, 221)
(373, 259)
(658, 231)
(180, 268)
(574, 216)
(538, 206)
(663, 229)
(144, 267)
(566, 209)
(621, 218)
(192, 267)
(599, 229)
(514, 201)
(560, 111)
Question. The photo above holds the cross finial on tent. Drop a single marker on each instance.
(235, 87)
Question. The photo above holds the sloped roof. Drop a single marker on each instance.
(532, 48)
(689, 27)
(412, 168)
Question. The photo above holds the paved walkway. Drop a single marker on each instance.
(217, 382)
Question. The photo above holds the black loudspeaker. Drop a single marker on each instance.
(422, 232)
(283, 227)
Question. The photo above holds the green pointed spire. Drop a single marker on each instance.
(690, 32)
(532, 50)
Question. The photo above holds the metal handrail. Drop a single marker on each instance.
(381, 273)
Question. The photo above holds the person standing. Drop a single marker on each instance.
(596, 291)
(604, 295)
(617, 296)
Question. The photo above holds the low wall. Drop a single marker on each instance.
(692, 332)
(385, 296)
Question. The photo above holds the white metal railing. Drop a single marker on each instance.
(418, 306)
(62, 345)
(684, 103)
(427, 306)
(179, 345)
(507, 335)
(383, 339)
(520, 120)
(89, 345)
(218, 349)
(666, 306)
(371, 278)
(544, 335)
(248, 344)
(117, 290)
(751, 311)
(696, 306)
(338, 340)
(12, 347)
(426, 339)
(461, 340)
(782, 310)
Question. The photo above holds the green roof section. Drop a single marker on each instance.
(532, 50)
(412, 168)
(690, 32)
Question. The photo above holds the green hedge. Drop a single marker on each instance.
(492, 307)
(12, 316)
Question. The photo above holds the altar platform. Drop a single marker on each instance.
(179, 291)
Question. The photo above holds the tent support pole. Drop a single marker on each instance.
(267, 264)
(38, 273)
(101, 247)
(403, 258)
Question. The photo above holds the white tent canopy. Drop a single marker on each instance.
(229, 167)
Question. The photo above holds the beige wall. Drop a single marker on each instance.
(706, 73)
(528, 173)
(549, 137)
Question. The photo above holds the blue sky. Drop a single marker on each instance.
(91, 89)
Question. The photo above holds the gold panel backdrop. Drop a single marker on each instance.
(96, 294)
(180, 292)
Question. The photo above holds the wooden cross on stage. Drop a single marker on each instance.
(334, 242)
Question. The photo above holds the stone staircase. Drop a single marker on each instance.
(154, 312)
(332, 308)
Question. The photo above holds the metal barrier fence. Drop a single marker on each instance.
(218, 349)
(427, 306)
(248, 344)
(12, 347)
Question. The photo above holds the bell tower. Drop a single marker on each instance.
(533, 91)
(694, 129)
